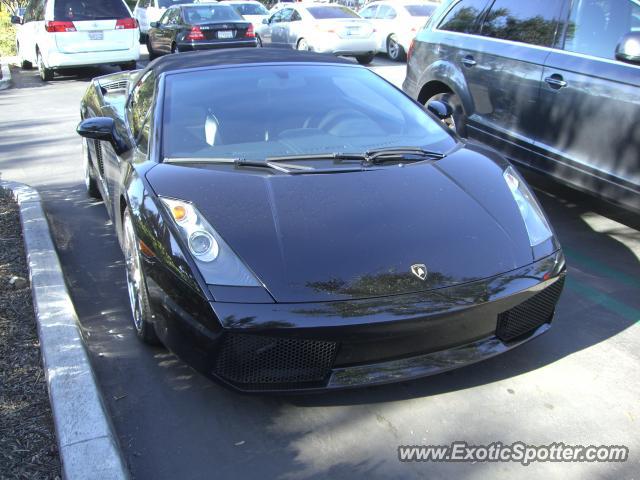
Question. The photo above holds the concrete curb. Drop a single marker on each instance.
(5, 82)
(86, 441)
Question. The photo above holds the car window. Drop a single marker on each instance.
(463, 17)
(250, 9)
(420, 10)
(324, 12)
(140, 102)
(596, 26)
(169, 3)
(385, 12)
(526, 21)
(295, 16)
(210, 13)
(369, 12)
(276, 17)
(285, 14)
(312, 109)
(75, 10)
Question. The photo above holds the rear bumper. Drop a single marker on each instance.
(191, 46)
(338, 46)
(58, 60)
(334, 345)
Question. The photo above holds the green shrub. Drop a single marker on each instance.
(7, 35)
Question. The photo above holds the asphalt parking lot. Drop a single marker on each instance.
(577, 384)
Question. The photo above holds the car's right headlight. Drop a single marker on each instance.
(217, 262)
(532, 214)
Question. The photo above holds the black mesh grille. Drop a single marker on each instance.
(99, 157)
(530, 314)
(254, 361)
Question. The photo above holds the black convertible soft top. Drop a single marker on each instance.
(237, 56)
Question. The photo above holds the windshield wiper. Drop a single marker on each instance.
(411, 154)
(237, 162)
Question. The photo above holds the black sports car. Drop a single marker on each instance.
(291, 221)
(202, 26)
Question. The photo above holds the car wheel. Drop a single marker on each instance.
(136, 285)
(46, 74)
(24, 64)
(458, 121)
(175, 49)
(302, 45)
(90, 181)
(365, 59)
(152, 54)
(394, 49)
(258, 41)
(128, 66)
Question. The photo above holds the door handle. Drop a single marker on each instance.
(556, 81)
(468, 61)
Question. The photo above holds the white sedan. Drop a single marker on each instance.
(251, 10)
(320, 27)
(397, 23)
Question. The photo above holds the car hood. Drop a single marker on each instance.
(327, 237)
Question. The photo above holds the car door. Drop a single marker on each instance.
(384, 24)
(266, 32)
(164, 32)
(369, 13)
(503, 70)
(280, 31)
(293, 29)
(591, 101)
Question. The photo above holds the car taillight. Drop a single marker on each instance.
(250, 32)
(126, 24)
(195, 34)
(410, 52)
(59, 27)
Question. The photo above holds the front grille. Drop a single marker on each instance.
(114, 85)
(255, 361)
(99, 157)
(529, 315)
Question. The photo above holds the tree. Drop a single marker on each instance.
(12, 5)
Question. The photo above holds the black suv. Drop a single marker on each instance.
(553, 84)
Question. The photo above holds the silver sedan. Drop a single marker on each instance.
(325, 28)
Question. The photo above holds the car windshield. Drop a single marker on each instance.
(78, 10)
(420, 10)
(169, 3)
(256, 112)
(250, 9)
(323, 12)
(210, 13)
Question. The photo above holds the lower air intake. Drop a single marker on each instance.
(529, 315)
(255, 362)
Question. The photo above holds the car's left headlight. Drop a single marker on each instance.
(533, 216)
(217, 262)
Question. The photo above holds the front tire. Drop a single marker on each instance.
(46, 74)
(365, 59)
(395, 51)
(24, 64)
(458, 121)
(302, 45)
(258, 41)
(136, 284)
(175, 49)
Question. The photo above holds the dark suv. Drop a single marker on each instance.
(553, 84)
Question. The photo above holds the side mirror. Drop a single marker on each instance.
(16, 20)
(628, 49)
(442, 110)
(102, 128)
(154, 24)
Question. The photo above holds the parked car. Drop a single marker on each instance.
(251, 10)
(60, 34)
(553, 85)
(324, 28)
(396, 23)
(292, 221)
(147, 11)
(199, 27)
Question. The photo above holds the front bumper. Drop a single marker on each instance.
(191, 46)
(273, 347)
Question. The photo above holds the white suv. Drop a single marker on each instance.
(148, 11)
(59, 34)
